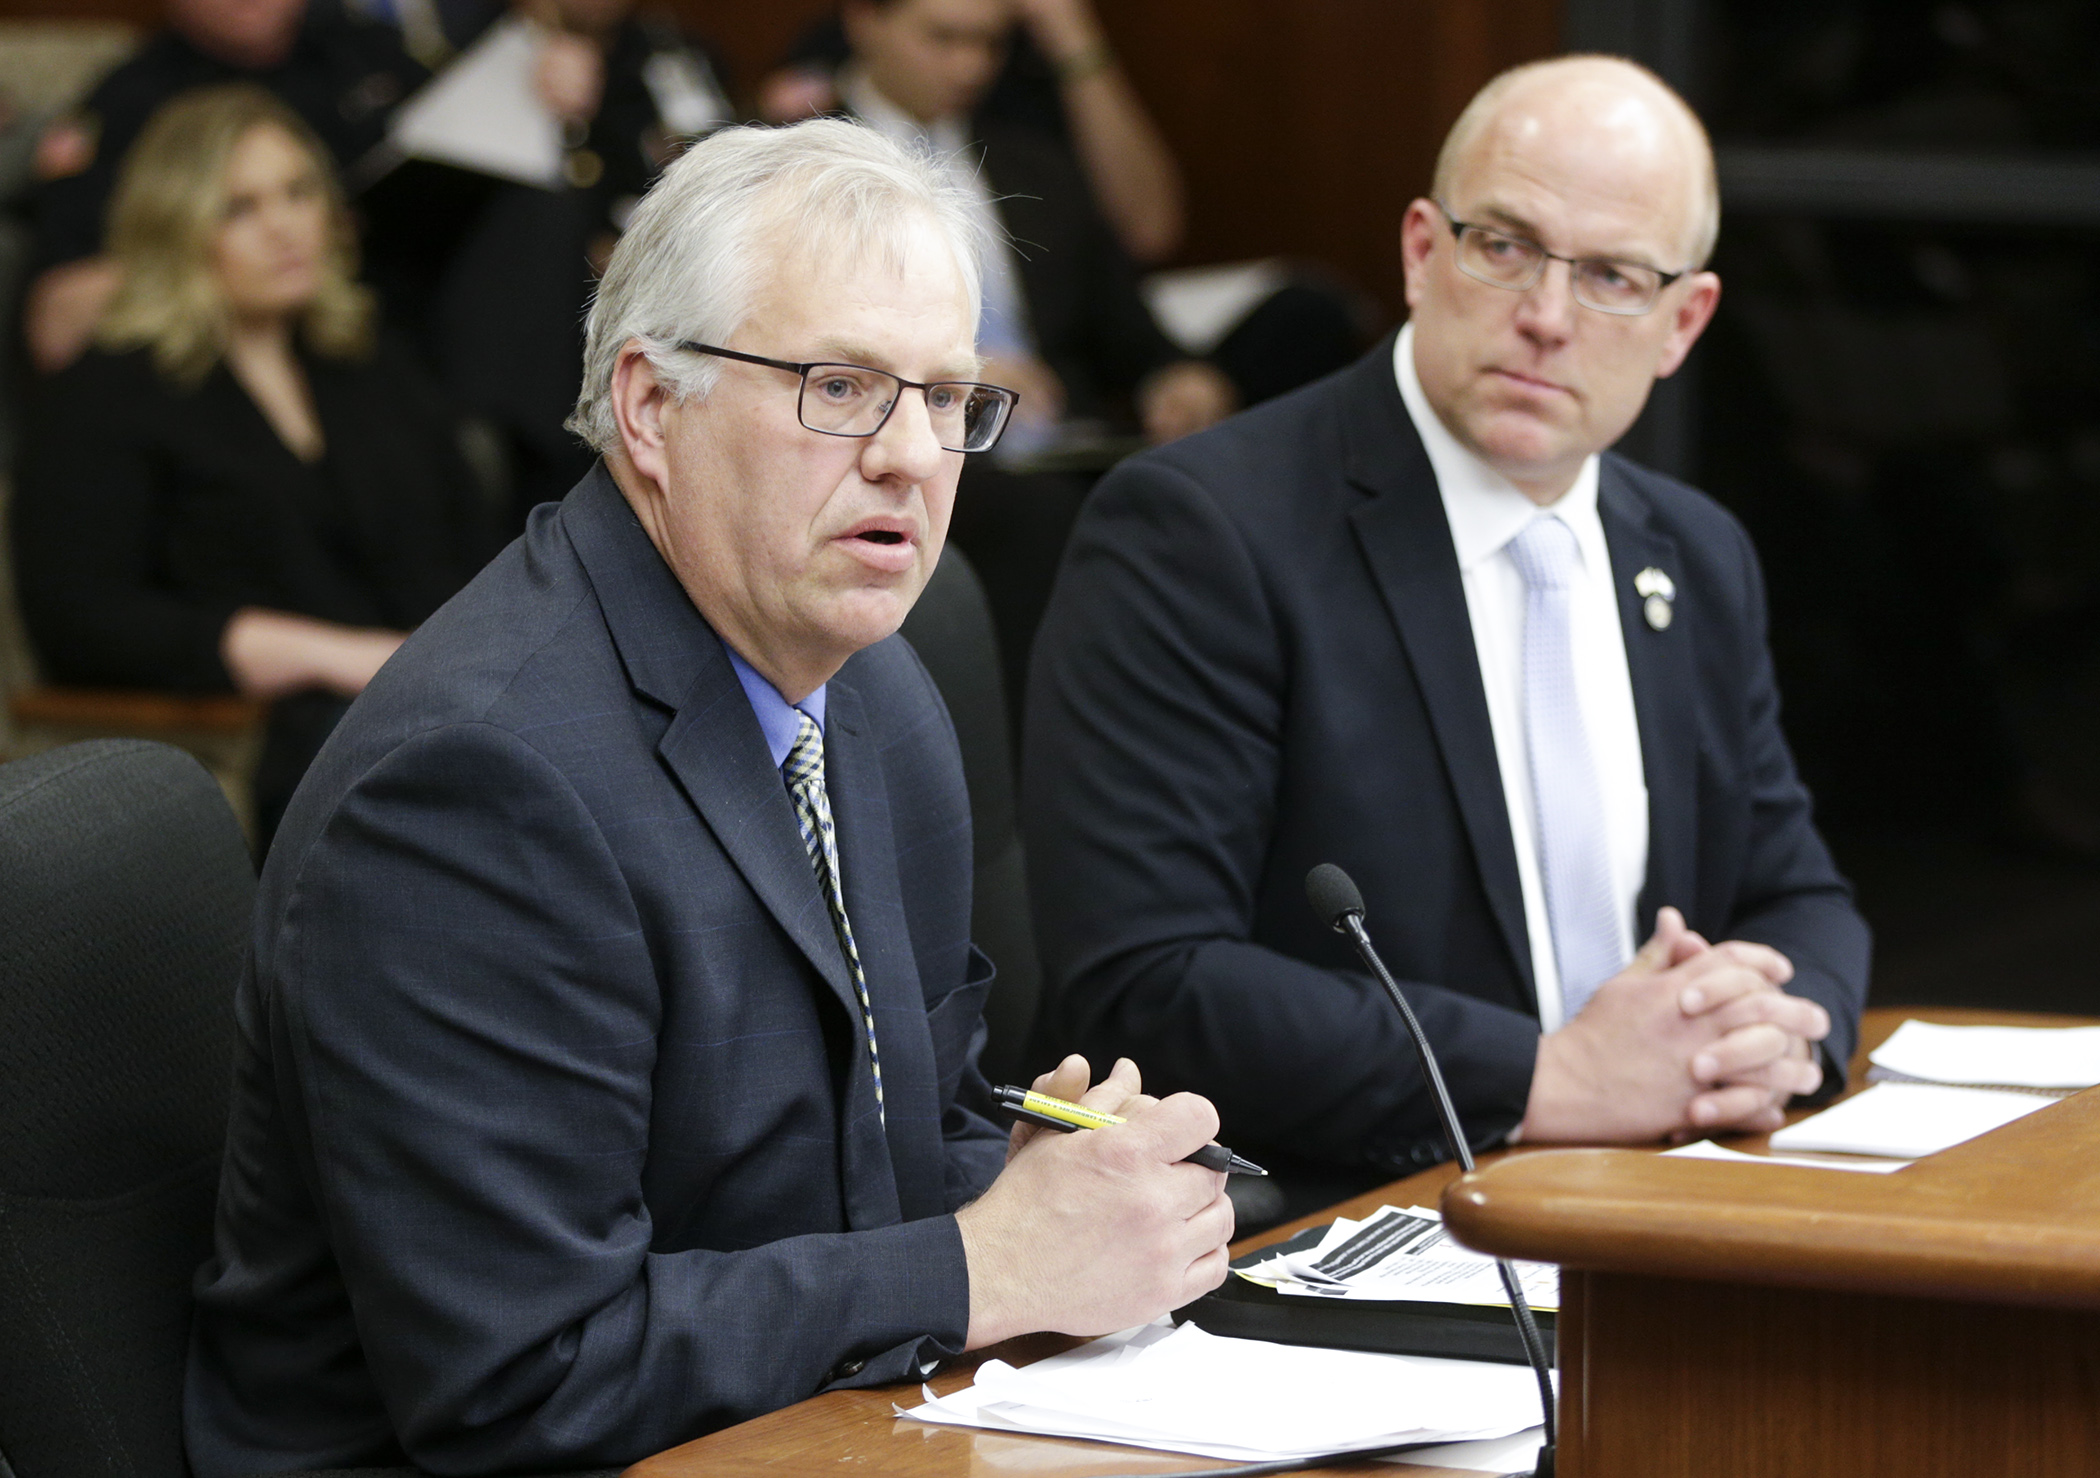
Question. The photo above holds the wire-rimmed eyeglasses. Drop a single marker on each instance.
(1502, 260)
(854, 400)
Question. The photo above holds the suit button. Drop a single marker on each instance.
(847, 1369)
(1424, 1155)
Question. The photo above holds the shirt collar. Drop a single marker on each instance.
(856, 91)
(779, 720)
(1485, 509)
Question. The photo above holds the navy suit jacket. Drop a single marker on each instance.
(554, 1142)
(1258, 657)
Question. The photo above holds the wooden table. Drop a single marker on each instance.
(1733, 1321)
(857, 1433)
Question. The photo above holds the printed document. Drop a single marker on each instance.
(1186, 1390)
(1395, 1254)
(1706, 1149)
(2060, 1058)
(1907, 1120)
(483, 113)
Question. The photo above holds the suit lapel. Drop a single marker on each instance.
(1407, 542)
(714, 747)
(875, 903)
(1659, 663)
(713, 744)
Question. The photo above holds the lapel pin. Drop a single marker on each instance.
(1659, 590)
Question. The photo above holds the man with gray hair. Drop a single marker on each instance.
(1418, 621)
(606, 1066)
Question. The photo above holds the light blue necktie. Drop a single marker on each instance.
(804, 773)
(1566, 797)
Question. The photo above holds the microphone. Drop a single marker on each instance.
(1336, 899)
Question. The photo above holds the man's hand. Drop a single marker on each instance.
(1765, 1053)
(1184, 397)
(1689, 1035)
(1095, 1231)
(1061, 29)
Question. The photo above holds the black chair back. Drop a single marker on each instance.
(951, 629)
(125, 895)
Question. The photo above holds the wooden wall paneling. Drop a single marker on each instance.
(1305, 126)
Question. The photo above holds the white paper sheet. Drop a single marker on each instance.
(1518, 1453)
(2012, 1056)
(1907, 1120)
(483, 112)
(1197, 307)
(1706, 1149)
(1186, 1390)
(1396, 1254)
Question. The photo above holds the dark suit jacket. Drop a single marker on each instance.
(1258, 658)
(553, 1141)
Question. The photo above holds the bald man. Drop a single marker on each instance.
(1418, 621)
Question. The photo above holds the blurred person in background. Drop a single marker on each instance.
(1059, 77)
(239, 487)
(1063, 321)
(340, 74)
(500, 307)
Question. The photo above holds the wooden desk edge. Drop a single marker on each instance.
(757, 1446)
(2012, 1216)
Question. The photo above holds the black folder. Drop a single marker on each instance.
(1247, 1310)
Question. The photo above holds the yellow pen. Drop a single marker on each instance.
(1031, 1107)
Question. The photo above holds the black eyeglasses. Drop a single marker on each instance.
(853, 400)
(1502, 260)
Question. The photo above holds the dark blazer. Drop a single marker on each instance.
(1258, 658)
(553, 1143)
(148, 513)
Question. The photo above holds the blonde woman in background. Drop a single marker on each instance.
(239, 488)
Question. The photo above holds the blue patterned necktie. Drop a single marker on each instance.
(1566, 797)
(804, 772)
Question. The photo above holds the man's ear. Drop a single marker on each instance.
(1695, 310)
(1418, 230)
(638, 400)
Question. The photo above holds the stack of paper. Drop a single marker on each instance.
(1706, 1149)
(1400, 1255)
(1906, 1120)
(1183, 1390)
(2047, 1058)
(484, 112)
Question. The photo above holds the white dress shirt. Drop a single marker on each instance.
(1485, 511)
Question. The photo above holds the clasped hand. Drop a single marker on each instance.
(1690, 1037)
(1095, 1231)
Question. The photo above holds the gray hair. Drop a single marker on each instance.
(698, 248)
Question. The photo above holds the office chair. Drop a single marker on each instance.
(951, 629)
(125, 893)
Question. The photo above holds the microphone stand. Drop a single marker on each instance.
(1331, 892)
(1337, 900)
